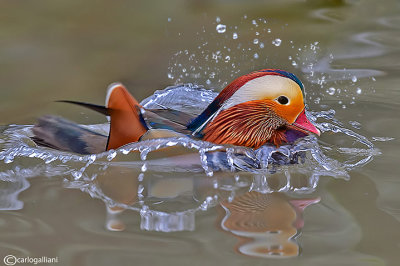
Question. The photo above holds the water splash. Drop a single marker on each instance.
(244, 43)
(307, 154)
(241, 42)
(293, 168)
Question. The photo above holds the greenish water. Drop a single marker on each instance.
(71, 50)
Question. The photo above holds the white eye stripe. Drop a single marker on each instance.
(265, 87)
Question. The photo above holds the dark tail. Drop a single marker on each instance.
(126, 125)
(61, 134)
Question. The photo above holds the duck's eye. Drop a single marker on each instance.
(283, 100)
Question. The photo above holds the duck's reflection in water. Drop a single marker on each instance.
(120, 187)
(165, 203)
(265, 224)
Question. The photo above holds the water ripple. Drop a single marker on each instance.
(305, 154)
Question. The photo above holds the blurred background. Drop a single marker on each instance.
(55, 50)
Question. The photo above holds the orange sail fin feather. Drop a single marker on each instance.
(125, 120)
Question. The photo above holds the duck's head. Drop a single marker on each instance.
(263, 106)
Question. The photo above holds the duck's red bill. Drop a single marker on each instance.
(305, 125)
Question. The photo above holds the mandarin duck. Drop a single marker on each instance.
(263, 107)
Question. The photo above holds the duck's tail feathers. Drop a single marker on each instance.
(61, 134)
(126, 123)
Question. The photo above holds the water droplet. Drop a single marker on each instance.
(221, 28)
(9, 159)
(215, 184)
(255, 56)
(218, 19)
(261, 45)
(126, 151)
(373, 79)
(354, 79)
(359, 90)
(227, 58)
(234, 36)
(76, 175)
(144, 167)
(92, 158)
(255, 41)
(269, 30)
(208, 82)
(382, 138)
(111, 155)
(257, 33)
(143, 153)
(317, 100)
(254, 22)
(355, 124)
(331, 91)
(169, 19)
(277, 42)
(294, 63)
(140, 177)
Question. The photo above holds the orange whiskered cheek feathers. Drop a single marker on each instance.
(250, 124)
(290, 111)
